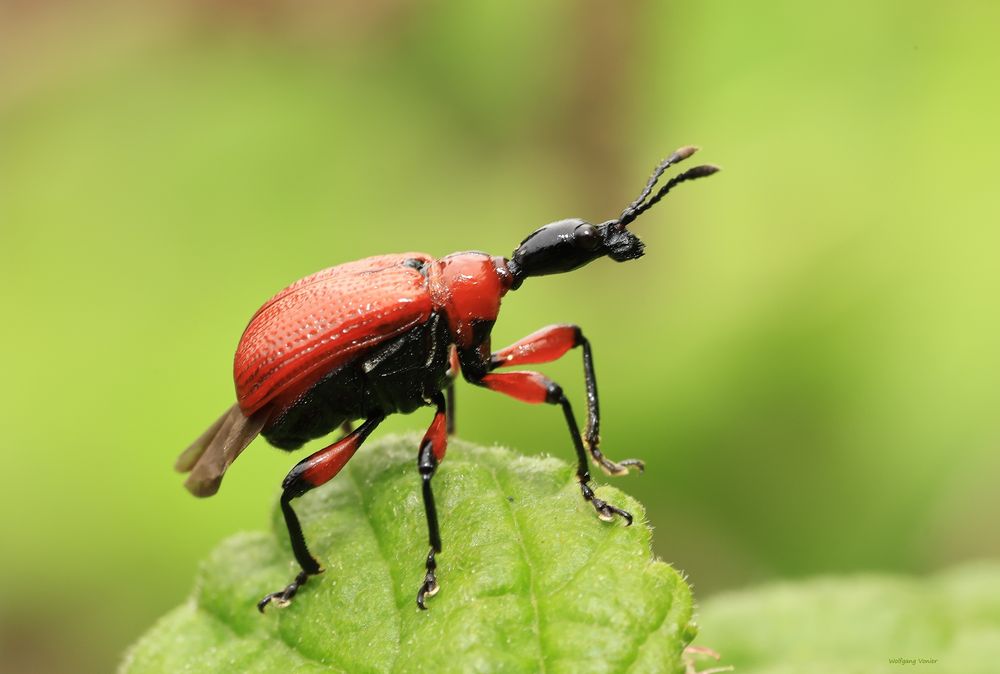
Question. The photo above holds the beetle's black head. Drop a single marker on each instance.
(569, 244)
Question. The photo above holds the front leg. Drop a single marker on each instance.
(532, 387)
(549, 344)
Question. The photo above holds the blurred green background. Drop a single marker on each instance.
(807, 357)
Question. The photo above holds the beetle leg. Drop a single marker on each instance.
(311, 472)
(432, 449)
(453, 369)
(533, 387)
(549, 344)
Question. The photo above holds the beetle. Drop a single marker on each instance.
(388, 334)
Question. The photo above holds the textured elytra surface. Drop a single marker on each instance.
(531, 580)
(320, 321)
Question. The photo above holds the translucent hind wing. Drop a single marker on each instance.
(189, 457)
(231, 437)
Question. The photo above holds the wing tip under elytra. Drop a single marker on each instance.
(215, 450)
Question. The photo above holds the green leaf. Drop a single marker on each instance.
(861, 624)
(531, 580)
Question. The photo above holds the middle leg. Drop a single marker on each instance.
(453, 369)
(432, 450)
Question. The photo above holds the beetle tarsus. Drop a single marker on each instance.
(430, 586)
(619, 468)
(283, 598)
(614, 468)
(639, 464)
(605, 510)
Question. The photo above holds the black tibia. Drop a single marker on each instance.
(605, 510)
(427, 464)
(453, 369)
(299, 481)
(450, 392)
(592, 434)
(310, 567)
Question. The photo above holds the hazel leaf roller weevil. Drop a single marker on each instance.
(390, 333)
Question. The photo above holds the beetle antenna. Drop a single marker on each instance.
(629, 214)
(619, 243)
(691, 174)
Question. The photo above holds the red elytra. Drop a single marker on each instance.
(388, 334)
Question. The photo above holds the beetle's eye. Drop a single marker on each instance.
(586, 237)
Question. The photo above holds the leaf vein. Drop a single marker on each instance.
(668, 610)
(519, 535)
(214, 617)
(382, 557)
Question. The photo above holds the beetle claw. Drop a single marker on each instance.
(430, 586)
(427, 590)
(605, 511)
(276, 598)
(283, 598)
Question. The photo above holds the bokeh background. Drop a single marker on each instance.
(807, 357)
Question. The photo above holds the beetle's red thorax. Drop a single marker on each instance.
(467, 288)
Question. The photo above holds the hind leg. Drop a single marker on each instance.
(311, 472)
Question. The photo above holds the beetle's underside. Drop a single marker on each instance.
(399, 376)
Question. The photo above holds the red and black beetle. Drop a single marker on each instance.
(388, 334)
